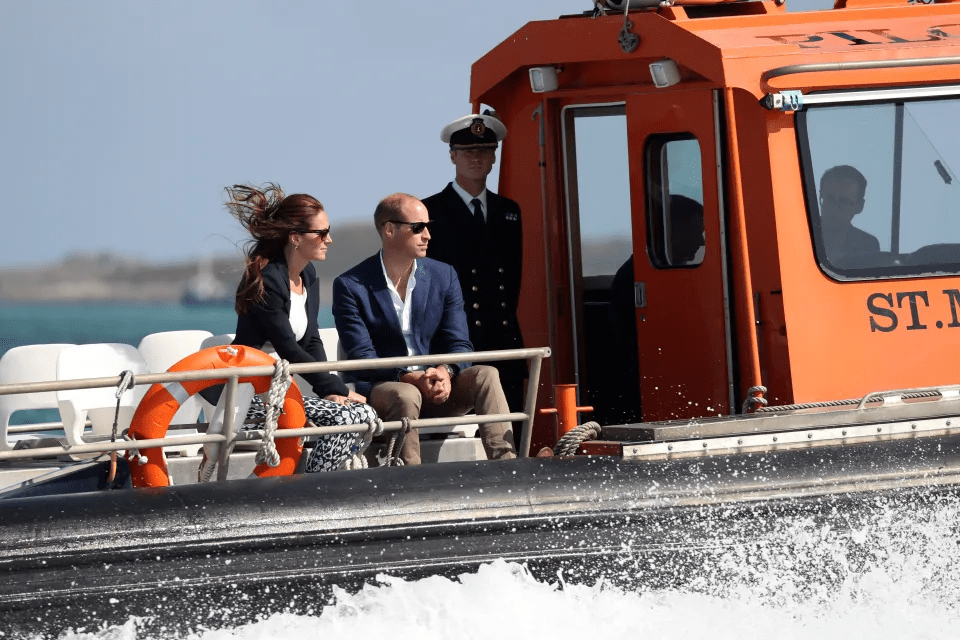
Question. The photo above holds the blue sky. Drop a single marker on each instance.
(121, 122)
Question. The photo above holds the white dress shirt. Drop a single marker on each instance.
(298, 313)
(403, 307)
(468, 199)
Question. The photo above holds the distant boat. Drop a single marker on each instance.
(204, 289)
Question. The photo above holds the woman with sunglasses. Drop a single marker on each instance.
(278, 301)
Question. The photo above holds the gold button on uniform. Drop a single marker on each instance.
(477, 323)
(476, 305)
(474, 288)
(501, 287)
(504, 323)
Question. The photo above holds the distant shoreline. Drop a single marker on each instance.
(108, 277)
(104, 277)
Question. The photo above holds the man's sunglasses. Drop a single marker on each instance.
(416, 227)
(838, 201)
(321, 233)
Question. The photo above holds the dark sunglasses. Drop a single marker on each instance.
(416, 227)
(321, 233)
(838, 201)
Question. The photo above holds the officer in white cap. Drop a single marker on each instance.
(480, 234)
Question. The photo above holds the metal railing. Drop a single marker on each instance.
(231, 375)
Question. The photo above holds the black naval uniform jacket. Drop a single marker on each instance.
(488, 258)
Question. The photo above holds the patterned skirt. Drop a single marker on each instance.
(330, 452)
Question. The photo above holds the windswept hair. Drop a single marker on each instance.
(270, 218)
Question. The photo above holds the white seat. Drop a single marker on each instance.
(331, 344)
(29, 363)
(217, 340)
(161, 351)
(333, 349)
(98, 361)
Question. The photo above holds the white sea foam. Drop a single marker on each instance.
(892, 573)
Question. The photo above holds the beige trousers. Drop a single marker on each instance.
(476, 388)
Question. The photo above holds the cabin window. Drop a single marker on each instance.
(881, 187)
(598, 187)
(675, 233)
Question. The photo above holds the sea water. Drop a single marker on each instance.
(84, 323)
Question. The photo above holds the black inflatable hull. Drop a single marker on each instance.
(183, 556)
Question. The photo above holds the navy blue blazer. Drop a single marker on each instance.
(369, 328)
(269, 321)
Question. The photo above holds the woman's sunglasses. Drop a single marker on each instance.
(321, 233)
(416, 227)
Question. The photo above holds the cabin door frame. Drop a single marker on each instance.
(599, 236)
(682, 306)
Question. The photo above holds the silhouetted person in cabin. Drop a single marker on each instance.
(686, 231)
(842, 192)
(686, 238)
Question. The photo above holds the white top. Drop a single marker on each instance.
(467, 199)
(298, 313)
(403, 307)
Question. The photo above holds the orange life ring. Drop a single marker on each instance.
(162, 401)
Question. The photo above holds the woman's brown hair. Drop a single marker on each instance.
(270, 218)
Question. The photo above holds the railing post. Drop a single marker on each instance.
(531, 406)
(566, 410)
(229, 429)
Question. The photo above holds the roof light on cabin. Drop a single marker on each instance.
(543, 79)
(665, 73)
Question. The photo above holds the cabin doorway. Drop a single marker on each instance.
(600, 243)
(679, 278)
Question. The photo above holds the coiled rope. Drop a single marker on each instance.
(392, 457)
(358, 460)
(571, 441)
(207, 467)
(754, 400)
(267, 454)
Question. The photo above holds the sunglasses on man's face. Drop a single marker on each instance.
(416, 227)
(321, 233)
(838, 201)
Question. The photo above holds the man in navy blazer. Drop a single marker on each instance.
(398, 303)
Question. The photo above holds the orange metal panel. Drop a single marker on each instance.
(817, 339)
(681, 331)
